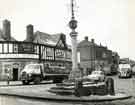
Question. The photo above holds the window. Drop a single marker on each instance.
(15, 48)
(7, 68)
(36, 49)
(5, 48)
(68, 55)
(10, 48)
(49, 53)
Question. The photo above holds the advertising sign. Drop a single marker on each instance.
(59, 55)
(26, 48)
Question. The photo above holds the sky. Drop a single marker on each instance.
(109, 22)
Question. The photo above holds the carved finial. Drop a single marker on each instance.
(72, 9)
(73, 22)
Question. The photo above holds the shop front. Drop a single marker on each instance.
(13, 58)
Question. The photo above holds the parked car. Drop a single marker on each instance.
(124, 70)
(114, 69)
(97, 76)
(133, 70)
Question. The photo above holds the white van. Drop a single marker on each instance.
(124, 70)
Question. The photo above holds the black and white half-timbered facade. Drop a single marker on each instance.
(38, 47)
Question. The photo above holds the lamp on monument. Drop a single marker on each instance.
(73, 24)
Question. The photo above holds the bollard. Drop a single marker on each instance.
(110, 86)
(78, 86)
(8, 80)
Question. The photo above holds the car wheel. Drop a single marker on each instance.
(25, 83)
(37, 80)
(119, 75)
(130, 76)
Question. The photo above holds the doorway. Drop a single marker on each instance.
(15, 74)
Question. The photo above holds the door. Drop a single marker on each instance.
(15, 74)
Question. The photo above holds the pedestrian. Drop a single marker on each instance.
(81, 71)
(8, 78)
(102, 67)
(8, 81)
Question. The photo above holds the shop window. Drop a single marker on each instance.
(7, 68)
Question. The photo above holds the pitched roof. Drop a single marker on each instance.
(44, 38)
(13, 39)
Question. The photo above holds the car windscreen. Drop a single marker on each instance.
(124, 66)
(96, 72)
(32, 68)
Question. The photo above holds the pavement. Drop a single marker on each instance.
(40, 92)
(11, 83)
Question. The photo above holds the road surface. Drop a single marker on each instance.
(127, 85)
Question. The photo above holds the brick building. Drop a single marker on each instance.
(92, 55)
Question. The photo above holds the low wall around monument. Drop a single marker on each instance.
(87, 90)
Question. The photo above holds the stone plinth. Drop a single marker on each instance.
(75, 73)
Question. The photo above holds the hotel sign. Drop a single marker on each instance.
(59, 55)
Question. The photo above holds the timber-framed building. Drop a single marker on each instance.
(38, 47)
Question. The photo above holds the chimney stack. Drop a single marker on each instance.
(6, 30)
(30, 32)
(63, 37)
(92, 40)
(86, 38)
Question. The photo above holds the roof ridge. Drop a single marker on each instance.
(47, 38)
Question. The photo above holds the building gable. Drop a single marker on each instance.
(62, 41)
